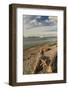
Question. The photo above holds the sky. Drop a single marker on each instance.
(40, 26)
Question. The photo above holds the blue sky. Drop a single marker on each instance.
(42, 26)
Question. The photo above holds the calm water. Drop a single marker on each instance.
(33, 41)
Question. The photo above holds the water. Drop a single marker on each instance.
(34, 41)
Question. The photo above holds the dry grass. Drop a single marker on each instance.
(33, 63)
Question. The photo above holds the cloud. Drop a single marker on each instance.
(31, 21)
(41, 31)
(54, 18)
(34, 22)
(38, 17)
(35, 25)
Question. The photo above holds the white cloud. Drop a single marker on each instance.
(41, 31)
(53, 18)
(46, 20)
(34, 22)
(38, 17)
(46, 27)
